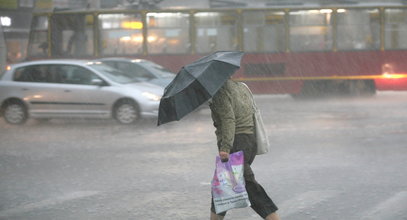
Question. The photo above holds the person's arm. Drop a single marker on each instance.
(224, 121)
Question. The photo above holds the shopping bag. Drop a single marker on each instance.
(228, 185)
(263, 143)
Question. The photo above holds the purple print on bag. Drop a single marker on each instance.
(228, 185)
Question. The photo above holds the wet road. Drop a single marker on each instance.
(342, 158)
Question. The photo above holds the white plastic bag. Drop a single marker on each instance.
(228, 185)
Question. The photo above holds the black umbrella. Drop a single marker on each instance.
(196, 83)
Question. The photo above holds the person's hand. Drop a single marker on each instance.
(224, 156)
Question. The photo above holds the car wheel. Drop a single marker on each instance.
(126, 112)
(15, 113)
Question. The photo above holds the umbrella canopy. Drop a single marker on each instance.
(196, 83)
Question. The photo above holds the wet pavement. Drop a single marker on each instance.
(336, 158)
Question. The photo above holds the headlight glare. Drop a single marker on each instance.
(151, 96)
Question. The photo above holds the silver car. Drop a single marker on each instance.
(74, 89)
(141, 69)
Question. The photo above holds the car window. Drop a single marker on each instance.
(55, 73)
(76, 75)
(159, 70)
(34, 73)
(136, 69)
(110, 63)
(113, 74)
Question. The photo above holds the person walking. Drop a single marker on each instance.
(232, 114)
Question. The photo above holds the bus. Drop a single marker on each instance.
(288, 50)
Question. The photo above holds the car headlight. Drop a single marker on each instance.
(151, 96)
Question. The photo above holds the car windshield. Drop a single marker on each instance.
(113, 74)
(157, 69)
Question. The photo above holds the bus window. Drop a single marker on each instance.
(120, 34)
(395, 29)
(168, 33)
(358, 29)
(311, 30)
(215, 31)
(263, 31)
(38, 46)
(72, 35)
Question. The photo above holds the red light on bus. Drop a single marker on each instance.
(390, 81)
(393, 76)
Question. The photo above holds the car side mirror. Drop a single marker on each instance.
(97, 82)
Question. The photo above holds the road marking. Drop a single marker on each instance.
(392, 208)
(47, 203)
(304, 202)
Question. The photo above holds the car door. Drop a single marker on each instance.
(35, 86)
(82, 98)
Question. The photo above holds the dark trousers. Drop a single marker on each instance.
(260, 201)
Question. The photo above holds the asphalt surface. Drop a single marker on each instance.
(332, 158)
